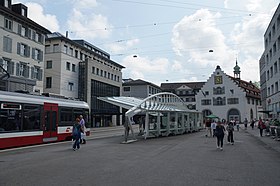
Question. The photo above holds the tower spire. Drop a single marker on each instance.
(236, 70)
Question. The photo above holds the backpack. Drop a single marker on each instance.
(75, 130)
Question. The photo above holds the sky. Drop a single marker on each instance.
(163, 41)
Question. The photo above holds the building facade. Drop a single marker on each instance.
(139, 88)
(229, 97)
(22, 49)
(269, 65)
(79, 70)
(186, 91)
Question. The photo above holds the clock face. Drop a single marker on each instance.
(218, 80)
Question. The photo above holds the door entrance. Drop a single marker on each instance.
(50, 122)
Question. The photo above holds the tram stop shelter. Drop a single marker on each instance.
(161, 114)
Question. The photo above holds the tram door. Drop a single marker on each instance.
(50, 122)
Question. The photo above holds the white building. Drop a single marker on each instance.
(229, 97)
(21, 50)
(78, 69)
(139, 88)
(270, 67)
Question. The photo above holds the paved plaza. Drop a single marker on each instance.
(190, 159)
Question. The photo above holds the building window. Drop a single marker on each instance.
(218, 90)
(36, 73)
(93, 70)
(126, 89)
(231, 101)
(7, 44)
(56, 48)
(219, 101)
(49, 65)
(65, 49)
(37, 54)
(22, 70)
(8, 24)
(6, 3)
(48, 82)
(24, 31)
(97, 71)
(275, 68)
(68, 66)
(70, 86)
(71, 51)
(248, 100)
(105, 74)
(101, 73)
(205, 101)
(73, 68)
(76, 53)
(276, 87)
(47, 49)
(8, 65)
(23, 49)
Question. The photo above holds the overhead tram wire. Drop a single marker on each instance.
(183, 7)
(185, 50)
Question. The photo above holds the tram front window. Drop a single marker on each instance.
(10, 120)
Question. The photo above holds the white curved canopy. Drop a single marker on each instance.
(164, 101)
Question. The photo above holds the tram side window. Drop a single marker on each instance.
(66, 117)
(10, 118)
(31, 117)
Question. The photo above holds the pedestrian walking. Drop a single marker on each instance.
(213, 127)
(261, 126)
(237, 125)
(230, 129)
(208, 127)
(219, 133)
(252, 124)
(245, 123)
(83, 130)
(76, 134)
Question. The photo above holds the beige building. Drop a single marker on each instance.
(79, 70)
(22, 49)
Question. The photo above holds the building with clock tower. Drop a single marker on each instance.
(229, 97)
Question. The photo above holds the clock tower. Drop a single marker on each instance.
(236, 71)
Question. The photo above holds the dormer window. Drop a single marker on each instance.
(7, 3)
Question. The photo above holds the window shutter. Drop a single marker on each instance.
(18, 48)
(33, 35)
(17, 69)
(40, 55)
(43, 39)
(19, 29)
(32, 73)
(9, 45)
(29, 33)
(27, 72)
(12, 69)
(27, 51)
(40, 74)
(33, 53)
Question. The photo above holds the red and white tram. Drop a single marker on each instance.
(30, 119)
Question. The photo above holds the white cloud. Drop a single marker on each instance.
(143, 67)
(85, 4)
(37, 14)
(248, 35)
(120, 47)
(88, 26)
(195, 35)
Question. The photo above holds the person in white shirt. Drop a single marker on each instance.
(213, 127)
